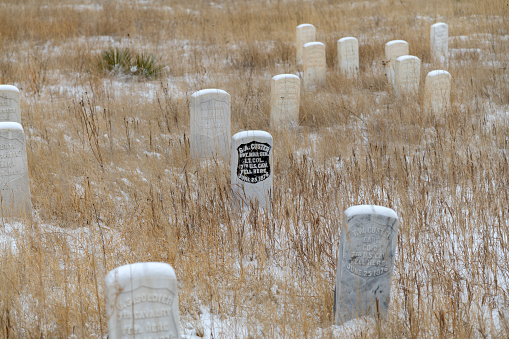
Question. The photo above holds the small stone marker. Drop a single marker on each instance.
(437, 92)
(313, 56)
(304, 33)
(251, 167)
(284, 99)
(210, 124)
(365, 262)
(407, 75)
(14, 183)
(142, 301)
(348, 56)
(439, 41)
(9, 104)
(393, 50)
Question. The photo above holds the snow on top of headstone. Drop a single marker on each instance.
(305, 25)
(370, 209)
(208, 91)
(438, 72)
(281, 76)
(439, 24)
(9, 88)
(313, 44)
(125, 273)
(11, 125)
(251, 134)
(346, 39)
(406, 57)
(393, 42)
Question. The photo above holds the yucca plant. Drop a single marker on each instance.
(145, 64)
(120, 61)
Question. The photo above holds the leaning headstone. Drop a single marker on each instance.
(348, 56)
(437, 92)
(284, 99)
(439, 41)
(304, 33)
(365, 262)
(252, 168)
(313, 57)
(9, 104)
(142, 301)
(210, 124)
(393, 50)
(407, 75)
(14, 183)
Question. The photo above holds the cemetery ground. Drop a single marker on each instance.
(113, 182)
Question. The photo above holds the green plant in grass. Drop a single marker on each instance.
(120, 61)
(145, 64)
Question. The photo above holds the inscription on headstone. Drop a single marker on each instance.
(313, 54)
(210, 124)
(10, 104)
(437, 92)
(393, 50)
(439, 41)
(284, 99)
(365, 262)
(14, 183)
(251, 167)
(304, 33)
(142, 302)
(407, 75)
(348, 56)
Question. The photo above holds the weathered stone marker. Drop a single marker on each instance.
(14, 183)
(393, 50)
(284, 99)
(437, 92)
(365, 262)
(439, 42)
(313, 56)
(10, 104)
(304, 33)
(348, 56)
(407, 75)
(142, 301)
(251, 167)
(210, 124)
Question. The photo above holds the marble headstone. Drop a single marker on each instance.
(437, 92)
(14, 183)
(365, 262)
(348, 56)
(210, 124)
(9, 104)
(284, 99)
(142, 301)
(252, 167)
(439, 41)
(304, 33)
(393, 50)
(407, 75)
(313, 56)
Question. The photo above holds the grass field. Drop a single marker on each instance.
(112, 180)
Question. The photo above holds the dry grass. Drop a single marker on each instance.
(112, 181)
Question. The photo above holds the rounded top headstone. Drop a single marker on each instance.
(407, 57)
(11, 125)
(9, 88)
(347, 39)
(282, 76)
(394, 42)
(305, 25)
(208, 91)
(124, 274)
(370, 209)
(438, 72)
(314, 43)
(251, 134)
(439, 24)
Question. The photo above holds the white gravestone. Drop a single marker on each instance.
(313, 56)
(142, 301)
(437, 92)
(348, 56)
(439, 41)
(252, 167)
(9, 104)
(284, 99)
(14, 183)
(304, 33)
(365, 262)
(407, 75)
(210, 124)
(393, 50)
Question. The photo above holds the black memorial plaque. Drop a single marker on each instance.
(254, 165)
